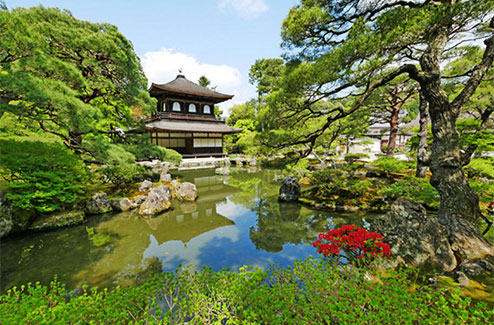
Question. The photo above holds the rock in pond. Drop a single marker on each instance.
(416, 239)
(187, 191)
(158, 200)
(144, 186)
(98, 204)
(289, 190)
(122, 205)
(57, 220)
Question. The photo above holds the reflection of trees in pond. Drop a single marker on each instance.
(39, 257)
(258, 184)
(279, 224)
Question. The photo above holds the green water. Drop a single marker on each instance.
(236, 221)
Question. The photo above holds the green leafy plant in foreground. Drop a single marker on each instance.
(311, 291)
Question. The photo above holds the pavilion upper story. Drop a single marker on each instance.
(185, 119)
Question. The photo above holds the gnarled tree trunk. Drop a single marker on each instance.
(422, 147)
(393, 130)
(459, 209)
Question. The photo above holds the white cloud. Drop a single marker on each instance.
(162, 66)
(244, 8)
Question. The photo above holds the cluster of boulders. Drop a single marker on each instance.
(151, 200)
(419, 240)
(155, 198)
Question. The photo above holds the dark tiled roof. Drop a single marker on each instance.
(190, 126)
(183, 86)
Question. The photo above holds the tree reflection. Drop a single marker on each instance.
(279, 224)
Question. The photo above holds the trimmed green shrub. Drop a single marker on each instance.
(308, 292)
(480, 167)
(418, 189)
(390, 164)
(41, 176)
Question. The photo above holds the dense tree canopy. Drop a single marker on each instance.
(75, 79)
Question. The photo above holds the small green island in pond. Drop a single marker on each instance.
(143, 181)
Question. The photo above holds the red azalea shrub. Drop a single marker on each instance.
(359, 244)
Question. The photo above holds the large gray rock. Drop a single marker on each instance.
(289, 190)
(123, 205)
(144, 186)
(187, 191)
(158, 200)
(165, 178)
(416, 239)
(98, 204)
(57, 220)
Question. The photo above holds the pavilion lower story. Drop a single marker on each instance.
(192, 139)
(190, 144)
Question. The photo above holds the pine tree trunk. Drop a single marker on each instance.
(422, 148)
(393, 132)
(459, 209)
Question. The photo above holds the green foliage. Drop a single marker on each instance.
(265, 74)
(351, 158)
(143, 149)
(390, 164)
(170, 155)
(298, 169)
(41, 176)
(76, 80)
(485, 190)
(418, 189)
(481, 167)
(471, 134)
(308, 292)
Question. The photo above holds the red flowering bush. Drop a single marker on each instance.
(360, 245)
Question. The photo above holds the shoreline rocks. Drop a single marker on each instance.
(58, 220)
(416, 239)
(158, 200)
(98, 204)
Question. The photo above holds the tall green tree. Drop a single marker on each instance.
(343, 47)
(78, 80)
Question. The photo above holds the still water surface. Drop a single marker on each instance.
(236, 221)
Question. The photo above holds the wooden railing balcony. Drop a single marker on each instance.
(180, 116)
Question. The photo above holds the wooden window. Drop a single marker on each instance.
(207, 109)
(164, 106)
(176, 107)
(192, 108)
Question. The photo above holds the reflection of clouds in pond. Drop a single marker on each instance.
(188, 253)
(230, 210)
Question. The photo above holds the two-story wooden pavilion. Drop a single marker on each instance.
(185, 119)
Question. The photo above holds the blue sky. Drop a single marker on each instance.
(218, 38)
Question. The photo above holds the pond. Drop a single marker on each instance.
(236, 221)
